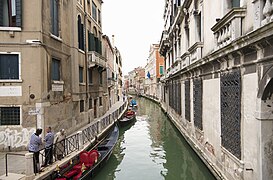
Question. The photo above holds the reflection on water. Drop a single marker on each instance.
(152, 149)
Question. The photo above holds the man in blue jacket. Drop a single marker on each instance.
(49, 139)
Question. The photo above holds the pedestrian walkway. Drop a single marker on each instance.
(16, 164)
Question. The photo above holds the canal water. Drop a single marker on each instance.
(152, 149)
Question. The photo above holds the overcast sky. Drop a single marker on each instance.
(136, 25)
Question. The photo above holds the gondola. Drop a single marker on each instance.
(90, 162)
(129, 117)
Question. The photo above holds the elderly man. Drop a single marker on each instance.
(49, 138)
(60, 144)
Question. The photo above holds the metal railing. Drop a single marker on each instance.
(6, 159)
(71, 144)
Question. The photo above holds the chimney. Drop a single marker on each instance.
(113, 41)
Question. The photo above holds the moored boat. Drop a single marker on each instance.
(129, 117)
(90, 162)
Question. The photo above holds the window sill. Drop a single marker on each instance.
(81, 51)
(57, 82)
(82, 84)
(10, 29)
(90, 84)
(56, 37)
(11, 81)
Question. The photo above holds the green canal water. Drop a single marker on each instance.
(152, 149)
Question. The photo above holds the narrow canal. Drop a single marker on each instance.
(152, 149)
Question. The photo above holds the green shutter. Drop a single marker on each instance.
(18, 13)
(1, 13)
(93, 43)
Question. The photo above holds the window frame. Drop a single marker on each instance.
(55, 27)
(18, 20)
(90, 103)
(19, 67)
(94, 11)
(81, 104)
(20, 116)
(90, 76)
(100, 101)
(60, 69)
(81, 78)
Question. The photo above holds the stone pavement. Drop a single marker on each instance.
(16, 164)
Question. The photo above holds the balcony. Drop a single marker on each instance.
(95, 59)
(229, 27)
(111, 81)
(164, 43)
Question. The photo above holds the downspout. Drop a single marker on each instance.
(86, 51)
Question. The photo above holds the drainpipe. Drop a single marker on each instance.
(86, 51)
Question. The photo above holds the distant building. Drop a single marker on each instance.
(154, 69)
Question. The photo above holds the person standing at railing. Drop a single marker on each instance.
(34, 143)
(49, 138)
(60, 144)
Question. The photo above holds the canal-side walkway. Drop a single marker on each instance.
(17, 164)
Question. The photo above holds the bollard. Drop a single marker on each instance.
(29, 166)
(80, 140)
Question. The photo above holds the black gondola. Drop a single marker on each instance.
(86, 169)
(129, 117)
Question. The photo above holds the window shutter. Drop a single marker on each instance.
(93, 44)
(89, 41)
(1, 13)
(82, 37)
(18, 13)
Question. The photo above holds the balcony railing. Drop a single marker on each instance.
(229, 27)
(164, 43)
(95, 59)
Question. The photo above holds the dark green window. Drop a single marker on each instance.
(81, 74)
(161, 70)
(9, 116)
(10, 13)
(9, 66)
(94, 11)
(90, 76)
(55, 17)
(55, 69)
(81, 105)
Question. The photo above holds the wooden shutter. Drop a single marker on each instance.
(1, 14)
(18, 13)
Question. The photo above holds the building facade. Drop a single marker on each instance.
(154, 69)
(218, 59)
(52, 72)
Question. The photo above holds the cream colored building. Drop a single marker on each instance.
(219, 62)
(52, 72)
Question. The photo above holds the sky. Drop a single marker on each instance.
(136, 25)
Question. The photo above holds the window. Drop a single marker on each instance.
(94, 11)
(90, 103)
(161, 70)
(100, 76)
(90, 76)
(81, 105)
(55, 17)
(81, 74)
(10, 13)
(91, 42)
(235, 3)
(9, 116)
(99, 17)
(80, 34)
(100, 101)
(9, 66)
(55, 69)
